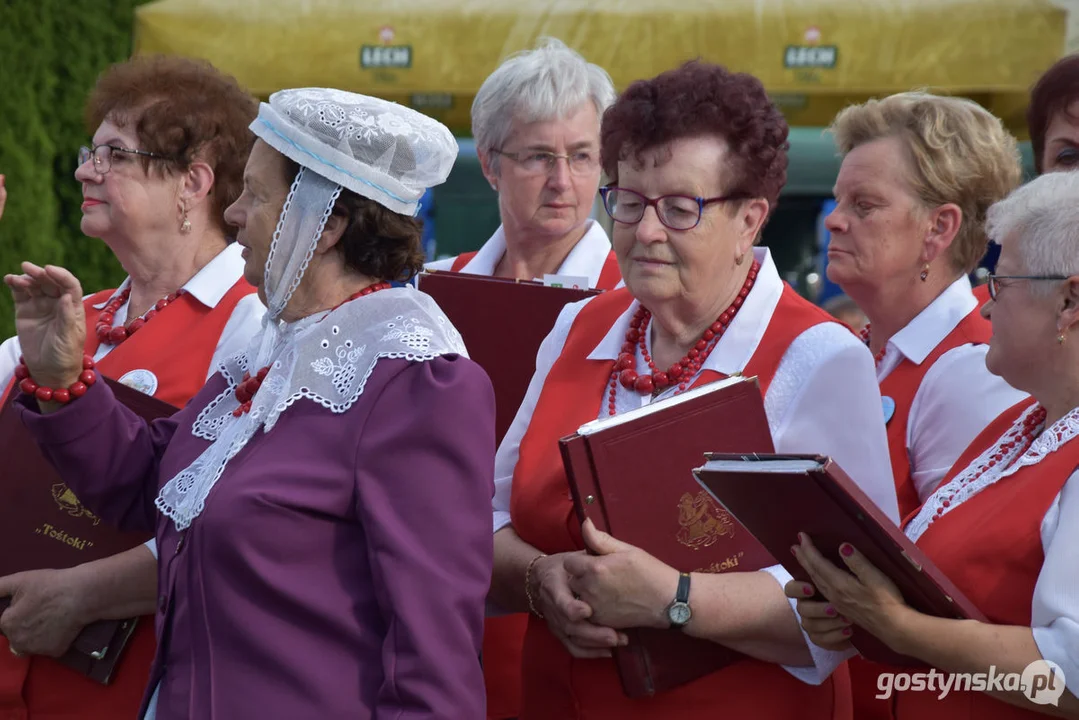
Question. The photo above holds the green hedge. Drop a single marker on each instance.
(51, 53)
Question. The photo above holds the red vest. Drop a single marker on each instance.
(555, 684)
(504, 636)
(902, 385)
(609, 276)
(177, 346)
(995, 534)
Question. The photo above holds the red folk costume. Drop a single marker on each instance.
(503, 636)
(989, 543)
(902, 385)
(177, 346)
(555, 684)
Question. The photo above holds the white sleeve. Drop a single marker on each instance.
(244, 323)
(509, 449)
(9, 360)
(828, 402)
(1055, 609)
(957, 398)
(151, 545)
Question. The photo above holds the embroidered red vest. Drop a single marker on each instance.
(995, 534)
(555, 684)
(177, 346)
(609, 276)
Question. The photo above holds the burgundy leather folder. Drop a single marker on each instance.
(633, 476)
(503, 322)
(778, 496)
(43, 525)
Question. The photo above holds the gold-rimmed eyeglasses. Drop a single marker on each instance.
(541, 162)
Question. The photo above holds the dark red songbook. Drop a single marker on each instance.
(633, 476)
(503, 322)
(778, 496)
(43, 525)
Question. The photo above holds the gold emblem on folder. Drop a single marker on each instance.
(70, 504)
(703, 521)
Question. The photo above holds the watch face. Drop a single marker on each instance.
(679, 613)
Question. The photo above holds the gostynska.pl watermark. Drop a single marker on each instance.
(1042, 682)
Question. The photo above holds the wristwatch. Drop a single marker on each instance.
(678, 612)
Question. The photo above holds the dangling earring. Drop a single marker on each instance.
(925, 273)
(185, 226)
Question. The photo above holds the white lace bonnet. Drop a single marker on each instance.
(377, 149)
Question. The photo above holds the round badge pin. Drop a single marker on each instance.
(142, 380)
(889, 408)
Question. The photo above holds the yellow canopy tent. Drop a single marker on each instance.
(814, 56)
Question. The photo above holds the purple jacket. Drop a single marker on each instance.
(341, 564)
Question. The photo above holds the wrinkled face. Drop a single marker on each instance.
(1024, 324)
(1062, 141)
(659, 264)
(549, 203)
(878, 227)
(127, 202)
(256, 212)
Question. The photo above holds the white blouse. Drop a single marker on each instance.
(958, 396)
(823, 399)
(586, 259)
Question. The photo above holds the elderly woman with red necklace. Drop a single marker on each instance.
(1004, 523)
(169, 144)
(697, 158)
(322, 484)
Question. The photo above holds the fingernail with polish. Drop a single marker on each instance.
(844, 619)
(794, 550)
(807, 590)
(830, 611)
(801, 537)
(846, 549)
(847, 632)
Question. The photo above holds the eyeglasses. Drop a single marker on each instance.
(994, 285)
(544, 163)
(677, 212)
(102, 155)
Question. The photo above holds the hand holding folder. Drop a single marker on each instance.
(44, 526)
(632, 475)
(778, 496)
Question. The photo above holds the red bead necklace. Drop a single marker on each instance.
(250, 384)
(683, 371)
(1023, 442)
(107, 334)
(865, 338)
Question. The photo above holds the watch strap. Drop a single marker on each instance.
(682, 594)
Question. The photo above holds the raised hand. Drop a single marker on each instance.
(50, 322)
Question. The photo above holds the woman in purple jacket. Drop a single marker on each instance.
(324, 527)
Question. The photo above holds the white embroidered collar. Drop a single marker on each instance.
(961, 489)
(326, 359)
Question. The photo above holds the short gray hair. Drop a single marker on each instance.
(548, 82)
(1043, 217)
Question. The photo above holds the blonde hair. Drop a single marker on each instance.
(959, 153)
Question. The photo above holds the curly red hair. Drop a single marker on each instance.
(696, 99)
(1054, 92)
(184, 109)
